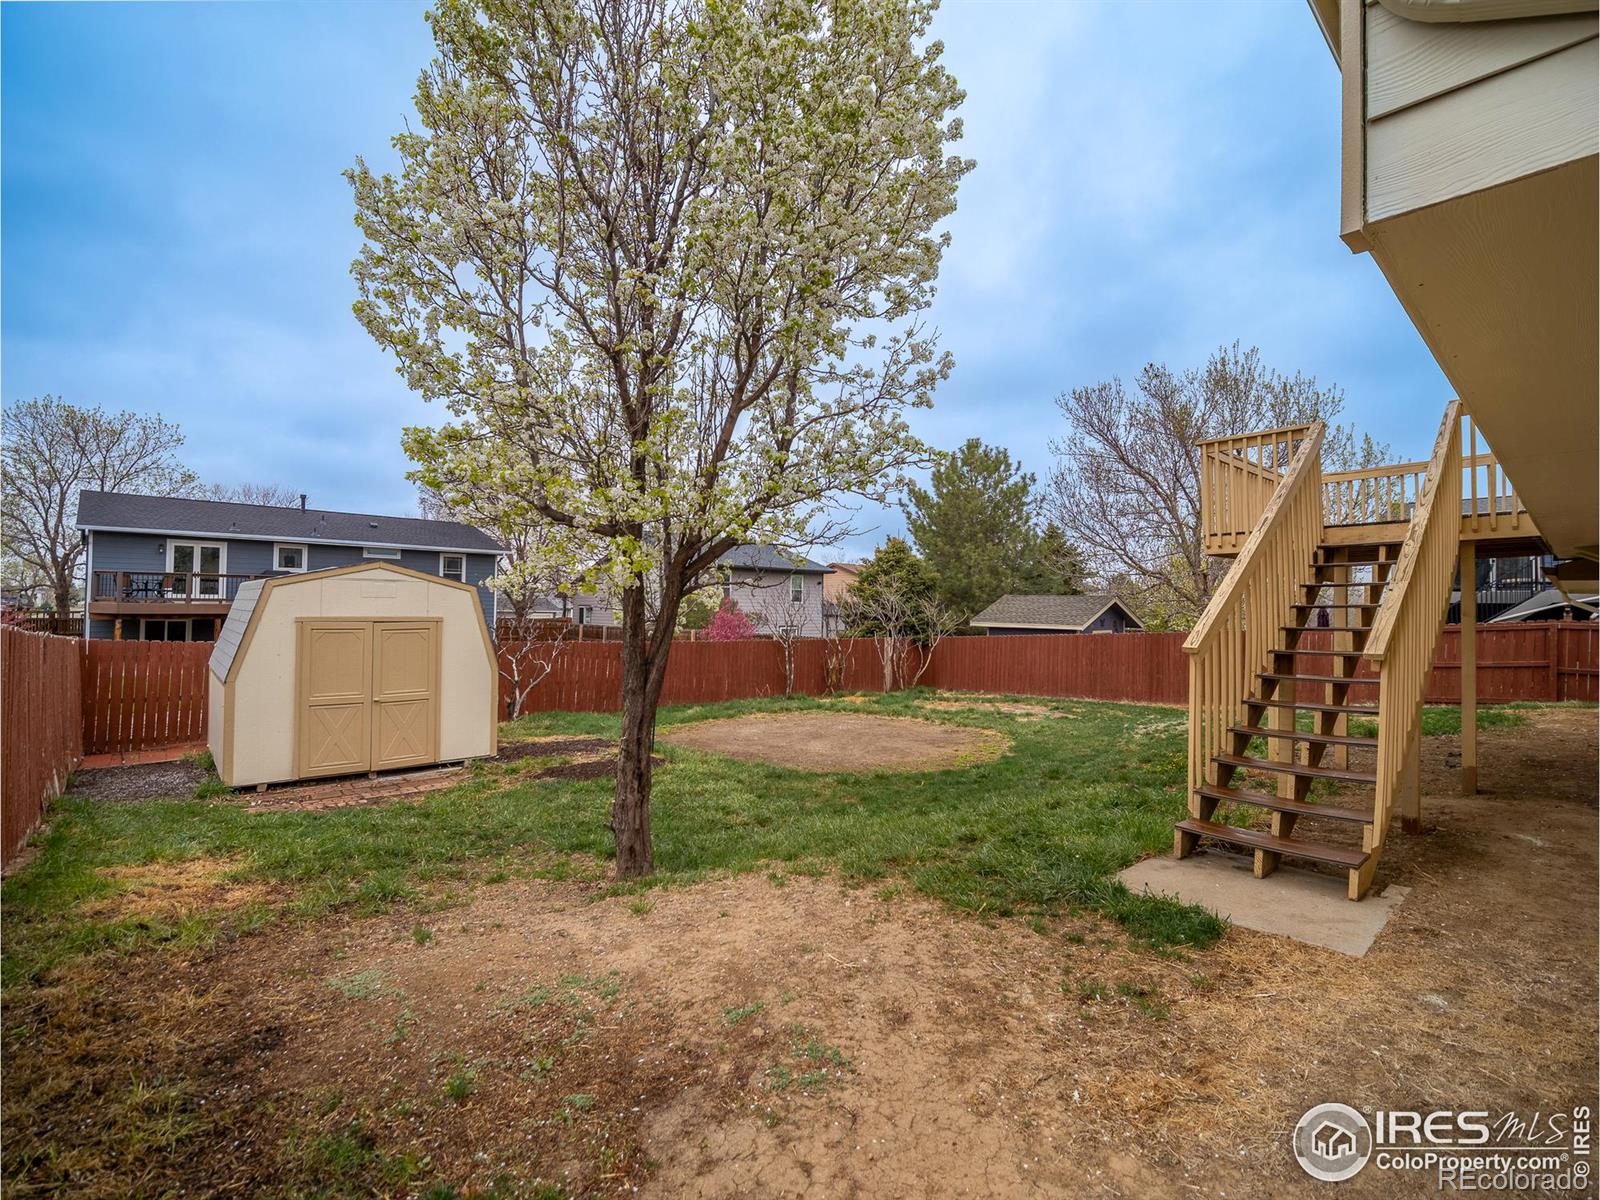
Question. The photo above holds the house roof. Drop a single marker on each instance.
(1545, 601)
(125, 512)
(770, 558)
(1049, 612)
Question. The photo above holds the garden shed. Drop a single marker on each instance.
(367, 668)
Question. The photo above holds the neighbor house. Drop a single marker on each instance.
(1091, 612)
(777, 589)
(162, 568)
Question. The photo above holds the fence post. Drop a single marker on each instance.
(1552, 649)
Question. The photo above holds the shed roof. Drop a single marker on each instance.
(1049, 612)
(127, 512)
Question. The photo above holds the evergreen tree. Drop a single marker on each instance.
(1055, 568)
(975, 527)
(896, 571)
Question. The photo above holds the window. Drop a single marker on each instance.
(196, 567)
(727, 589)
(287, 556)
(158, 629)
(453, 566)
(379, 552)
(796, 589)
(584, 612)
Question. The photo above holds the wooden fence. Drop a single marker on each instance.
(41, 729)
(1557, 660)
(143, 695)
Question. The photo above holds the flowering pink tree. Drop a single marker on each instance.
(730, 624)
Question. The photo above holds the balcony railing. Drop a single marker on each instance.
(1238, 476)
(158, 588)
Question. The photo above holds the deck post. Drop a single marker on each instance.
(1469, 668)
(1410, 790)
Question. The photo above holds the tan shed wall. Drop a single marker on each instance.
(264, 697)
(214, 730)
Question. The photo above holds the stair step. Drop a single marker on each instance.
(1330, 739)
(1354, 710)
(1375, 584)
(1247, 763)
(1281, 675)
(1321, 653)
(1280, 804)
(1362, 604)
(1327, 628)
(1338, 856)
(1387, 565)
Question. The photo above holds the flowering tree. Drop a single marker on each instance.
(663, 260)
(730, 624)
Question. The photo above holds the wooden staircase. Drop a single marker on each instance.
(1387, 581)
(1353, 578)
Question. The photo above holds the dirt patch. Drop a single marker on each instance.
(560, 747)
(1023, 712)
(825, 741)
(137, 783)
(166, 890)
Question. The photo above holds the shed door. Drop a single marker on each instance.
(335, 697)
(405, 693)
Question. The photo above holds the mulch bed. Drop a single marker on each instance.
(552, 748)
(138, 783)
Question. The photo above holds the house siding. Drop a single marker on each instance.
(757, 593)
(148, 552)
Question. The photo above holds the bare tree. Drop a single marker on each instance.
(781, 617)
(53, 451)
(936, 621)
(890, 616)
(527, 656)
(275, 495)
(1126, 485)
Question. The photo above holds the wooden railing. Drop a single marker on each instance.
(1491, 501)
(164, 587)
(1405, 633)
(1388, 494)
(1374, 495)
(1238, 478)
(1231, 641)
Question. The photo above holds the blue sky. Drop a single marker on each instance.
(1153, 180)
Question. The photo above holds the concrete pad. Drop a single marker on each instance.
(1296, 903)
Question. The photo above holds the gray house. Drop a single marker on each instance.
(166, 569)
(775, 588)
(1092, 612)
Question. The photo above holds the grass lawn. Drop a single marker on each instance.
(189, 1002)
(1077, 797)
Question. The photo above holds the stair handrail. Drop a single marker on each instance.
(1234, 636)
(1411, 615)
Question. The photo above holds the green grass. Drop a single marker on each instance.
(1042, 829)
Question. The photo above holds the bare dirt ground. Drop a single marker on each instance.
(783, 1036)
(837, 741)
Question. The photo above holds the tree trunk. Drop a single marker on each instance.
(644, 671)
(62, 587)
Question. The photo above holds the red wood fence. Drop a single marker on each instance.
(41, 737)
(1539, 661)
(143, 695)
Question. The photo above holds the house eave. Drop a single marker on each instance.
(291, 539)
